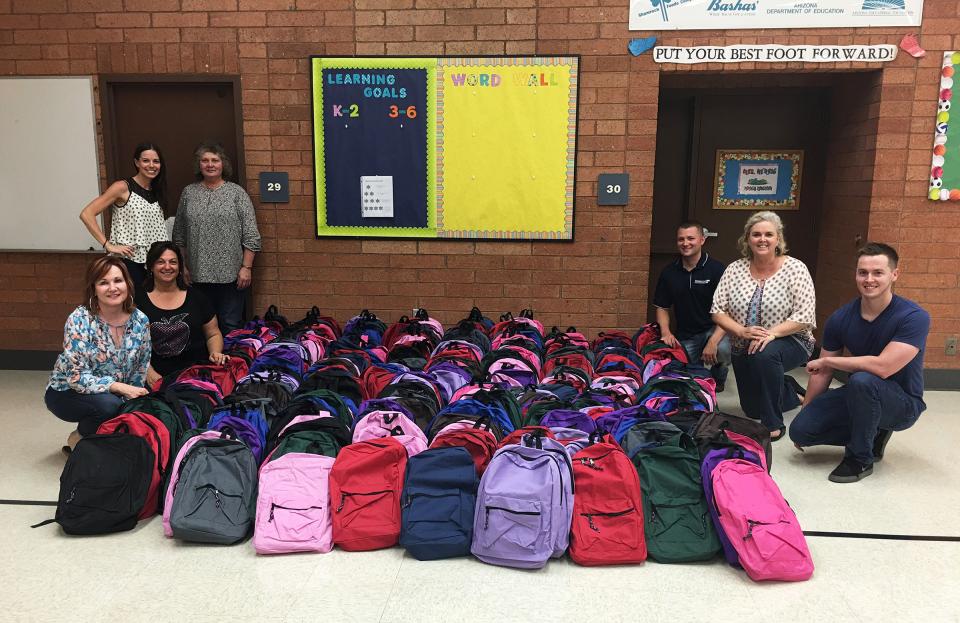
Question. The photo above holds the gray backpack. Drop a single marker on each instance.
(216, 495)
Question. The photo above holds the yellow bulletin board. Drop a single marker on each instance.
(500, 153)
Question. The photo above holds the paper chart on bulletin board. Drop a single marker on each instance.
(472, 148)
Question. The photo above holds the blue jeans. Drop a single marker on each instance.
(851, 415)
(87, 411)
(764, 395)
(228, 303)
(138, 273)
(694, 346)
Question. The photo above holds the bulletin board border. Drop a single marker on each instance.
(434, 165)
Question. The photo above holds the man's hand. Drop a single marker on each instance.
(670, 340)
(709, 354)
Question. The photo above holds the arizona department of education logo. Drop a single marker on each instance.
(884, 5)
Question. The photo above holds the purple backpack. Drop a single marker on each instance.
(710, 462)
(524, 505)
(568, 418)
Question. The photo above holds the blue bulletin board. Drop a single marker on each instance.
(747, 180)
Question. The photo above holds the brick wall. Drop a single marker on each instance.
(597, 282)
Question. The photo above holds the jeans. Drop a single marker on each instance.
(138, 273)
(87, 411)
(764, 395)
(228, 303)
(694, 346)
(851, 415)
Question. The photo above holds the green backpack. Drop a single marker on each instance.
(311, 434)
(678, 523)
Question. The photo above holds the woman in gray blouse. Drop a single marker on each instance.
(217, 227)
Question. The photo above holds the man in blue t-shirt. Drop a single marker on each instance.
(885, 336)
(687, 285)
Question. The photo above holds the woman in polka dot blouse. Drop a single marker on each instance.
(767, 305)
(136, 205)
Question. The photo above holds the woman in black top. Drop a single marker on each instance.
(183, 325)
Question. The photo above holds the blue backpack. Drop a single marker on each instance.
(247, 420)
(438, 502)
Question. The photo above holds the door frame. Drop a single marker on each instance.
(106, 85)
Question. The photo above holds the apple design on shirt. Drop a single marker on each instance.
(170, 335)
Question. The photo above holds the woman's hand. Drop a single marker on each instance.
(219, 358)
(123, 250)
(753, 333)
(127, 391)
(244, 278)
(757, 345)
(152, 377)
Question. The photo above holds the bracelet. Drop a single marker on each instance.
(105, 243)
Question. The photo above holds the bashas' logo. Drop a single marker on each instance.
(732, 6)
(883, 5)
(664, 5)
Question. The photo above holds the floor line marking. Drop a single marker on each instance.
(889, 537)
(27, 503)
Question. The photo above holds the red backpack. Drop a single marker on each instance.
(225, 376)
(157, 437)
(365, 486)
(607, 524)
(480, 443)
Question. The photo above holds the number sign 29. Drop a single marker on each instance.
(613, 189)
(274, 187)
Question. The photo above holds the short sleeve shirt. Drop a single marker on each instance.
(177, 334)
(901, 321)
(689, 293)
(787, 295)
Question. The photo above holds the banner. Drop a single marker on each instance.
(775, 53)
(731, 14)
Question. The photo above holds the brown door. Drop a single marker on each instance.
(177, 115)
(763, 121)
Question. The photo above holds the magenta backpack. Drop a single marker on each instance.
(378, 424)
(761, 526)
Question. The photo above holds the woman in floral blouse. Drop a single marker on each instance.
(767, 305)
(106, 350)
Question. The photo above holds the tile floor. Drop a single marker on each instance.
(141, 576)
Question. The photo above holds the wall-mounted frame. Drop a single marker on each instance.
(445, 147)
(945, 164)
(751, 179)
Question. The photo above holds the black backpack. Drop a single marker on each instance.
(104, 484)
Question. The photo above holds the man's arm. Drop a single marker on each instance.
(709, 353)
(820, 375)
(663, 319)
(890, 361)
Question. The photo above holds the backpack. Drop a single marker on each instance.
(678, 527)
(248, 421)
(568, 418)
(480, 443)
(310, 434)
(711, 424)
(293, 506)
(365, 486)
(760, 524)
(438, 503)
(379, 424)
(607, 510)
(157, 437)
(215, 494)
(105, 484)
(710, 461)
(524, 505)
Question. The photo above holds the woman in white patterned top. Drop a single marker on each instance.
(217, 227)
(767, 305)
(136, 207)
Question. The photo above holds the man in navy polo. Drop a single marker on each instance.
(687, 285)
(885, 336)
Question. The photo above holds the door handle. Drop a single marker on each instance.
(709, 234)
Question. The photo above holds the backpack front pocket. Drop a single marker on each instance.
(366, 508)
(771, 539)
(294, 523)
(429, 516)
(619, 529)
(217, 506)
(512, 521)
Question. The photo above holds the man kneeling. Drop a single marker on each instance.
(885, 336)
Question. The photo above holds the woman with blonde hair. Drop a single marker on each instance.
(767, 305)
(106, 350)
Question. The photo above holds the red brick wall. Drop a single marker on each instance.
(597, 282)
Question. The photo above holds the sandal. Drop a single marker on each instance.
(66, 450)
(783, 433)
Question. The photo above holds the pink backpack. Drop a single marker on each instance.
(293, 505)
(749, 444)
(175, 475)
(378, 424)
(761, 526)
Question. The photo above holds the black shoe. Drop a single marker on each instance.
(880, 443)
(720, 388)
(850, 470)
(783, 433)
(794, 384)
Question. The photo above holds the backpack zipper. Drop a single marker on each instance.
(590, 517)
(487, 509)
(343, 497)
(751, 524)
(289, 508)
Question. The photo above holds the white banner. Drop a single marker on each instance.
(774, 53)
(731, 14)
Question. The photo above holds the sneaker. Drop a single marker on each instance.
(880, 443)
(850, 470)
(795, 385)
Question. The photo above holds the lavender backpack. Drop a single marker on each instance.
(524, 505)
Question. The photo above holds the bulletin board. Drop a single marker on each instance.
(945, 164)
(473, 148)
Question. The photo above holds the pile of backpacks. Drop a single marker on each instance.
(498, 439)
